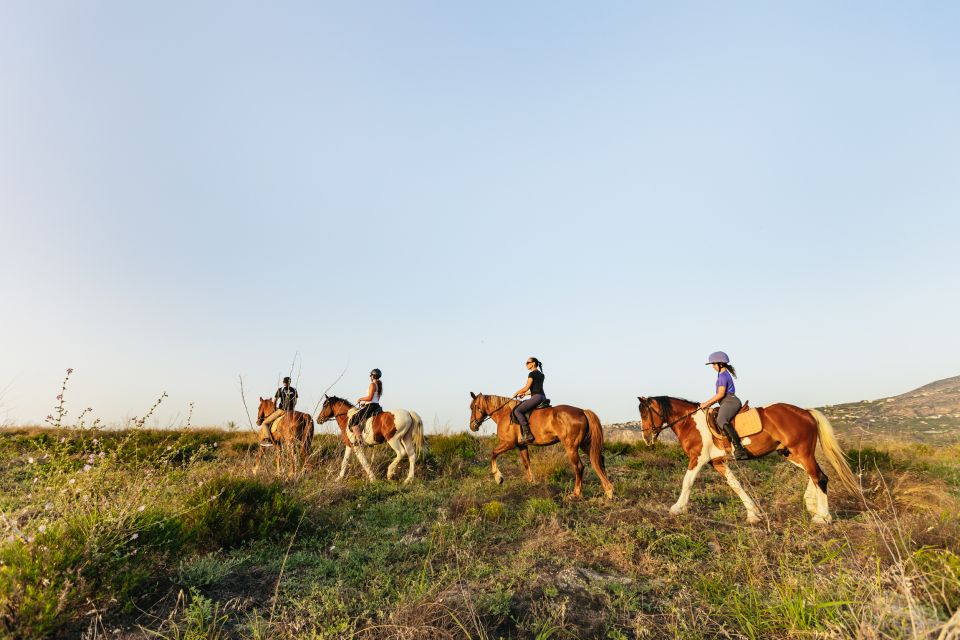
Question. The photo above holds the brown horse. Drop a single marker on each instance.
(287, 431)
(787, 429)
(400, 428)
(573, 427)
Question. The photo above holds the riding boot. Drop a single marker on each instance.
(526, 436)
(739, 453)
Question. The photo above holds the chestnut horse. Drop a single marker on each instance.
(787, 429)
(289, 430)
(401, 429)
(573, 427)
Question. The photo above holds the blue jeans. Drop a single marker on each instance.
(521, 410)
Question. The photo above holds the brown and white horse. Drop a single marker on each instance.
(575, 428)
(400, 428)
(289, 430)
(787, 429)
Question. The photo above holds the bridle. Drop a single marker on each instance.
(664, 425)
(333, 416)
(487, 414)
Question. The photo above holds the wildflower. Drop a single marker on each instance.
(42, 528)
(30, 460)
(135, 536)
(63, 439)
(103, 455)
(60, 396)
(134, 552)
(169, 447)
(48, 506)
(215, 444)
(141, 508)
(96, 440)
(86, 467)
(89, 409)
(50, 417)
(30, 539)
(73, 480)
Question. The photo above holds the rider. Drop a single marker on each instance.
(729, 402)
(369, 404)
(286, 400)
(535, 387)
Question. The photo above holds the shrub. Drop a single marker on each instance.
(230, 511)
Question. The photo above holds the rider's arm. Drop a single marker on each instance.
(721, 392)
(369, 395)
(526, 388)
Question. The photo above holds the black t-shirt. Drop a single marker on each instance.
(537, 386)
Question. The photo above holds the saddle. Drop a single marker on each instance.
(746, 423)
(543, 405)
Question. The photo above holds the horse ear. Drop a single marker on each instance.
(326, 397)
(473, 395)
(641, 398)
(261, 399)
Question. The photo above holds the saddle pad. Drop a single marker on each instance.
(747, 423)
(543, 405)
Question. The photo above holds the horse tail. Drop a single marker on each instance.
(833, 452)
(417, 432)
(595, 434)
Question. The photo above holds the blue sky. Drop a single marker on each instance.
(195, 191)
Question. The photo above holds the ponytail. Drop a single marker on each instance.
(539, 364)
(729, 367)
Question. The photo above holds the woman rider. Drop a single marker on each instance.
(369, 404)
(535, 387)
(729, 402)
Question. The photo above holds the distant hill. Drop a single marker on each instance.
(930, 413)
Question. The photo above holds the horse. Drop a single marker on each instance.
(575, 428)
(289, 429)
(400, 428)
(789, 430)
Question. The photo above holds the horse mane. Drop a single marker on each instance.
(333, 399)
(667, 402)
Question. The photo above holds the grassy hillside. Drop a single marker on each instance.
(167, 534)
(929, 414)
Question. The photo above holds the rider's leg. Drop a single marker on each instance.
(266, 437)
(729, 407)
(521, 412)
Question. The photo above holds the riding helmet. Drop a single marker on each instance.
(376, 373)
(718, 357)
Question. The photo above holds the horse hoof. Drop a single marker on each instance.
(821, 520)
(677, 511)
(609, 494)
(753, 519)
(498, 478)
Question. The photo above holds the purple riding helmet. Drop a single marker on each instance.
(718, 357)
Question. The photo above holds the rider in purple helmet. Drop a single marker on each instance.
(729, 402)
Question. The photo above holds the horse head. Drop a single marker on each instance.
(647, 425)
(478, 411)
(328, 410)
(267, 406)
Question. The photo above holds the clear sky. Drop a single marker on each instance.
(193, 191)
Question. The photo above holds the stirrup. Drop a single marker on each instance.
(266, 442)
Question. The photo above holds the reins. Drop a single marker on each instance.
(489, 413)
(666, 425)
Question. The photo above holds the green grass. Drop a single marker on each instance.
(170, 533)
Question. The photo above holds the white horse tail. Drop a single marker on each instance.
(417, 432)
(834, 454)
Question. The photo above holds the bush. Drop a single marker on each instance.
(228, 512)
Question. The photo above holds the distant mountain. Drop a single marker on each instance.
(930, 414)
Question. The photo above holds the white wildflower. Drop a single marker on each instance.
(42, 528)
(87, 467)
(30, 461)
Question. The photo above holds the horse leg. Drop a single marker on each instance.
(411, 452)
(362, 457)
(747, 501)
(680, 506)
(497, 450)
(574, 455)
(525, 459)
(347, 451)
(256, 463)
(815, 495)
(394, 443)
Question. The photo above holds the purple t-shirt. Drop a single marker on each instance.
(725, 380)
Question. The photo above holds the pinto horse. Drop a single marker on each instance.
(288, 430)
(787, 429)
(575, 428)
(401, 429)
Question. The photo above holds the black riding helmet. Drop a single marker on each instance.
(376, 373)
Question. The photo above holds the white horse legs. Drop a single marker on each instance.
(411, 452)
(360, 456)
(748, 503)
(397, 447)
(681, 505)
